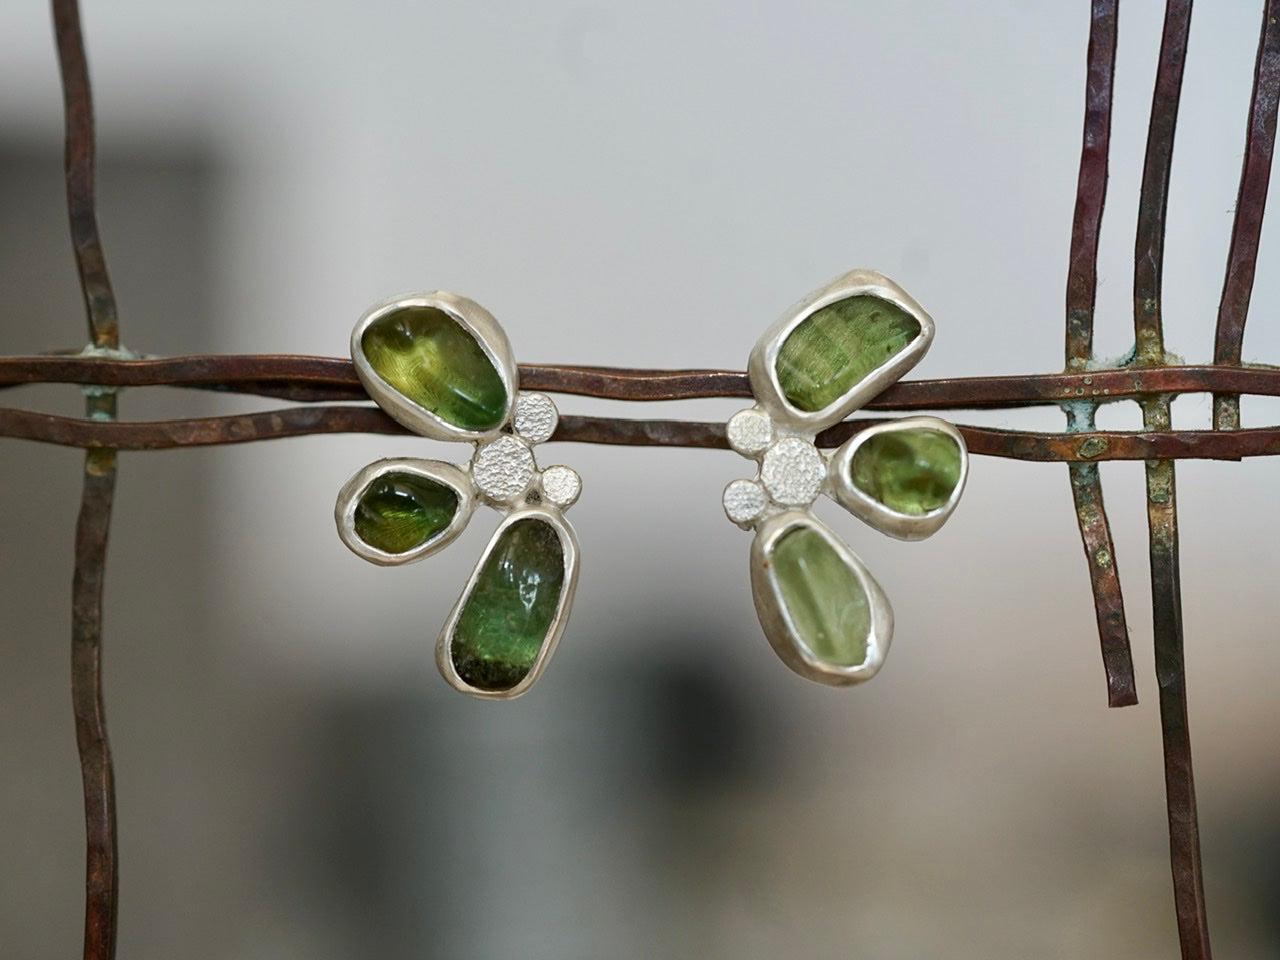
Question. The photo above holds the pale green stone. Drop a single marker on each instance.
(434, 361)
(836, 347)
(822, 597)
(508, 613)
(912, 472)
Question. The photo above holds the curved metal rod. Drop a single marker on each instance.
(316, 379)
(305, 421)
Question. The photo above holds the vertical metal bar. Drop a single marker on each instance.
(93, 525)
(1162, 522)
(1082, 286)
(1251, 203)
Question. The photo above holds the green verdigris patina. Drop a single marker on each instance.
(507, 615)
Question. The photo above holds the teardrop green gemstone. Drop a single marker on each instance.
(822, 597)
(433, 360)
(506, 616)
(837, 346)
(401, 511)
(910, 471)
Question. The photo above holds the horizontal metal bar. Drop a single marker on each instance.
(304, 378)
(304, 421)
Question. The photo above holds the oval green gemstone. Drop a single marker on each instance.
(506, 617)
(401, 511)
(433, 360)
(822, 597)
(830, 351)
(909, 471)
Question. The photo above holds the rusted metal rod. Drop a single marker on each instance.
(322, 419)
(327, 379)
(1162, 513)
(1251, 202)
(1082, 287)
(94, 523)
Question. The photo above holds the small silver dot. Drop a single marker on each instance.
(750, 431)
(536, 417)
(503, 470)
(793, 471)
(744, 501)
(561, 485)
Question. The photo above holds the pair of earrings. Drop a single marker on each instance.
(441, 366)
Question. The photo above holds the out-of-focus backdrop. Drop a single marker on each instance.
(641, 185)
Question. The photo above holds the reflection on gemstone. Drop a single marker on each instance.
(508, 613)
(910, 471)
(822, 597)
(829, 352)
(428, 356)
(398, 512)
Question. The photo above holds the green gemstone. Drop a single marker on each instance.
(506, 616)
(433, 360)
(822, 597)
(909, 471)
(400, 511)
(837, 346)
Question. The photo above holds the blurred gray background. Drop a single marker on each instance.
(641, 185)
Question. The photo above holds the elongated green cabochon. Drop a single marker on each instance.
(433, 360)
(837, 346)
(506, 617)
(822, 597)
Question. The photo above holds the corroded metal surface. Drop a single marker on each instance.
(324, 382)
(1251, 202)
(102, 869)
(1162, 512)
(1082, 289)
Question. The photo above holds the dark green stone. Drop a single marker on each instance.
(822, 597)
(434, 361)
(837, 346)
(910, 471)
(400, 511)
(507, 614)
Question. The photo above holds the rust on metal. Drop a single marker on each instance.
(332, 379)
(1082, 289)
(1162, 513)
(1251, 202)
(102, 870)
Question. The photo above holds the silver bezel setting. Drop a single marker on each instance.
(777, 623)
(569, 547)
(349, 498)
(900, 525)
(528, 419)
(762, 367)
(477, 321)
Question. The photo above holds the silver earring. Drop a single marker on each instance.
(441, 366)
(822, 611)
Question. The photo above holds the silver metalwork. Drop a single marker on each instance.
(569, 546)
(502, 473)
(781, 630)
(900, 525)
(477, 321)
(792, 472)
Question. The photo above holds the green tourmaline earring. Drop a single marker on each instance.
(820, 608)
(440, 365)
